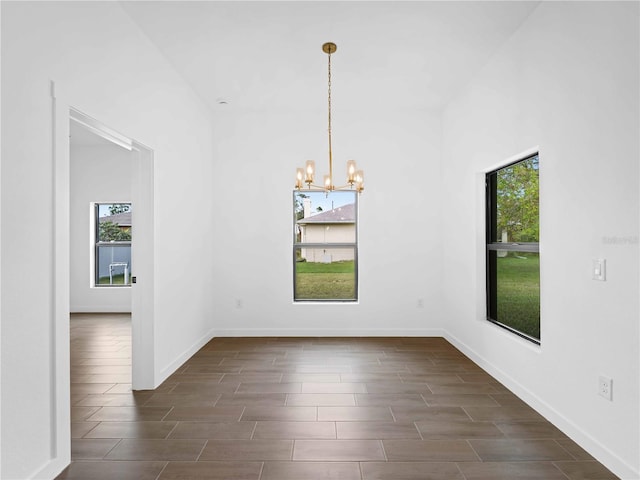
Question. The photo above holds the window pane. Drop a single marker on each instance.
(517, 203)
(518, 291)
(322, 218)
(325, 274)
(112, 261)
(114, 222)
(513, 264)
(325, 246)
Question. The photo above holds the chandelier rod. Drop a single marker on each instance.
(329, 51)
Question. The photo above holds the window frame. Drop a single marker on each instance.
(328, 245)
(492, 246)
(97, 244)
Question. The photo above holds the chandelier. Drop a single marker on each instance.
(355, 177)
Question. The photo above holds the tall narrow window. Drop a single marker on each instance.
(113, 244)
(513, 258)
(325, 246)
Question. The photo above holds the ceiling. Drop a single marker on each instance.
(267, 55)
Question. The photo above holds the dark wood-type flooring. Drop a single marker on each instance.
(305, 409)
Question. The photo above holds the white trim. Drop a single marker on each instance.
(512, 159)
(144, 371)
(329, 332)
(184, 356)
(98, 309)
(60, 376)
(49, 470)
(99, 129)
(142, 329)
(599, 451)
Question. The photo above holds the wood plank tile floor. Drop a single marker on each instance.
(305, 409)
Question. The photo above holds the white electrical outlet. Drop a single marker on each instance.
(239, 303)
(420, 303)
(605, 386)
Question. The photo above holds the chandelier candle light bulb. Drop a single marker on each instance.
(355, 177)
(359, 180)
(299, 177)
(310, 169)
(351, 171)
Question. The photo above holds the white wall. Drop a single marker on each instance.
(109, 71)
(567, 82)
(399, 230)
(99, 174)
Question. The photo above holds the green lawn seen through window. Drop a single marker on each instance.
(117, 280)
(518, 292)
(325, 281)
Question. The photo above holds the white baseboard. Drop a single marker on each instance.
(100, 309)
(184, 356)
(51, 469)
(329, 332)
(590, 444)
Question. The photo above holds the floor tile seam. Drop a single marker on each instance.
(162, 470)
(206, 442)
(173, 388)
(424, 399)
(86, 395)
(92, 429)
(464, 477)
(391, 412)
(555, 440)
(293, 446)
(219, 396)
(480, 459)
(560, 470)
(253, 431)
(415, 424)
(171, 431)
(111, 449)
(167, 414)
(384, 452)
(467, 413)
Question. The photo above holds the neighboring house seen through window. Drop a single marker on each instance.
(325, 250)
(113, 244)
(513, 258)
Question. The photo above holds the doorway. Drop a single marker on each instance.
(100, 223)
(143, 372)
(137, 181)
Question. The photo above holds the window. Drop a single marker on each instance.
(113, 244)
(513, 258)
(325, 246)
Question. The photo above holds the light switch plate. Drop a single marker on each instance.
(599, 269)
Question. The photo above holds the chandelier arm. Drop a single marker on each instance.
(316, 187)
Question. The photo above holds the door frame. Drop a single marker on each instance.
(142, 305)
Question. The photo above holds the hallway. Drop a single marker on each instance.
(305, 408)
